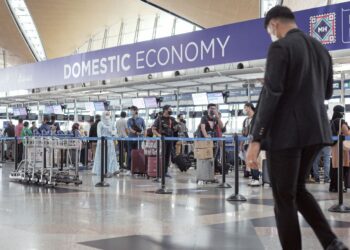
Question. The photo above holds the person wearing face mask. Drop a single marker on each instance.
(249, 111)
(106, 128)
(210, 122)
(291, 123)
(136, 128)
(166, 125)
(336, 123)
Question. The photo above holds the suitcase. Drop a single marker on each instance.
(183, 162)
(152, 166)
(138, 162)
(265, 173)
(205, 171)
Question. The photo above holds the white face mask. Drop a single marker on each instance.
(245, 112)
(274, 38)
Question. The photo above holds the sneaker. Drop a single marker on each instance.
(255, 183)
(327, 181)
(168, 176)
(127, 173)
(116, 172)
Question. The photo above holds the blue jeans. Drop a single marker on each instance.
(326, 153)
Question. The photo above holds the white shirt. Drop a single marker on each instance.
(122, 126)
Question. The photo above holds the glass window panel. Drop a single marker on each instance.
(96, 44)
(183, 27)
(112, 41)
(165, 25)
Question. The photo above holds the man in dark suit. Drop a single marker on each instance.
(291, 123)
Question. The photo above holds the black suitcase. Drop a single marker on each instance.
(265, 173)
(183, 162)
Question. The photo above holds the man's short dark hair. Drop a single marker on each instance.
(250, 105)
(211, 105)
(166, 107)
(97, 117)
(26, 124)
(179, 115)
(279, 12)
(123, 114)
(134, 108)
(53, 117)
(20, 120)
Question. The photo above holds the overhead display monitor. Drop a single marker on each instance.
(185, 97)
(48, 110)
(169, 98)
(216, 98)
(138, 102)
(16, 112)
(200, 98)
(99, 106)
(90, 106)
(57, 110)
(22, 111)
(150, 102)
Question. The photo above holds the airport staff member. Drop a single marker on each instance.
(291, 123)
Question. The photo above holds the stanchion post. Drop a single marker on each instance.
(62, 158)
(102, 183)
(86, 154)
(2, 150)
(236, 196)
(340, 207)
(16, 153)
(223, 168)
(157, 179)
(163, 189)
(44, 156)
(106, 155)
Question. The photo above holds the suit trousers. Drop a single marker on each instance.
(289, 169)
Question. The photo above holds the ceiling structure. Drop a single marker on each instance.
(11, 39)
(65, 25)
(212, 13)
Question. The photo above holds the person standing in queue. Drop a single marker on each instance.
(122, 132)
(93, 133)
(136, 126)
(292, 124)
(18, 131)
(165, 125)
(209, 122)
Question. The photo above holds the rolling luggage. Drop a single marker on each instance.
(265, 173)
(205, 171)
(152, 166)
(138, 162)
(183, 162)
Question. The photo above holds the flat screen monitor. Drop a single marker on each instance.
(86, 118)
(200, 99)
(48, 110)
(99, 106)
(60, 117)
(57, 110)
(16, 112)
(216, 98)
(138, 102)
(89, 106)
(150, 102)
(80, 118)
(23, 111)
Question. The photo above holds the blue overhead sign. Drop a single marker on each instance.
(225, 44)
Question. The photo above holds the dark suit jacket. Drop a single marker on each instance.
(299, 77)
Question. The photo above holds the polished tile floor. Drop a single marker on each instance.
(129, 215)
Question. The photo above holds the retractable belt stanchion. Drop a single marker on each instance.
(102, 183)
(16, 154)
(2, 150)
(86, 154)
(62, 159)
(163, 189)
(223, 168)
(236, 196)
(340, 207)
(157, 179)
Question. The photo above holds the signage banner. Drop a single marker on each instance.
(224, 44)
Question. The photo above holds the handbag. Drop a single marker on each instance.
(346, 144)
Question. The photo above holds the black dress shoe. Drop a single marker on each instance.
(337, 245)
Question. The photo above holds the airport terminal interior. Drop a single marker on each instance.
(85, 159)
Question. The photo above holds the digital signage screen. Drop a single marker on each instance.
(89, 106)
(138, 102)
(200, 99)
(57, 109)
(16, 112)
(99, 106)
(48, 110)
(22, 111)
(216, 98)
(150, 102)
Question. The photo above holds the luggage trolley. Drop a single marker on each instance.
(31, 168)
(73, 147)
